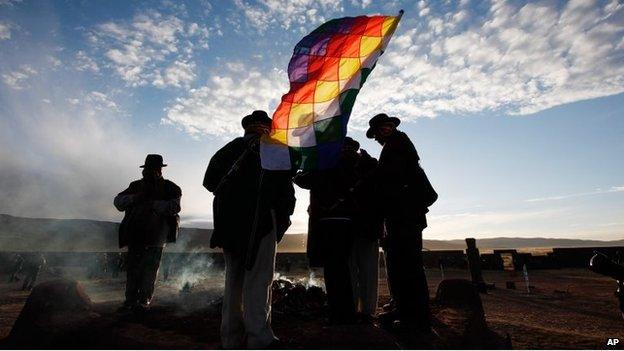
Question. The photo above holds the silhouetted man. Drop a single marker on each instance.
(251, 210)
(332, 227)
(151, 219)
(17, 268)
(33, 265)
(405, 193)
(368, 230)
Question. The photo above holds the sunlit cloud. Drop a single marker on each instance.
(217, 107)
(19, 78)
(460, 62)
(5, 31)
(615, 189)
(152, 49)
(286, 14)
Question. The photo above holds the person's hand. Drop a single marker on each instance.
(139, 197)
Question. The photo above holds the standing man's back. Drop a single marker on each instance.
(405, 193)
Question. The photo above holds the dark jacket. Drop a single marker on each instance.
(368, 214)
(153, 220)
(402, 185)
(238, 195)
(344, 192)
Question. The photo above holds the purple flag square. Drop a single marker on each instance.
(298, 68)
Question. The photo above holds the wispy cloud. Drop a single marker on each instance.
(518, 59)
(615, 189)
(286, 14)
(19, 78)
(5, 31)
(85, 63)
(494, 223)
(217, 107)
(152, 49)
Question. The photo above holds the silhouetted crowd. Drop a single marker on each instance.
(355, 207)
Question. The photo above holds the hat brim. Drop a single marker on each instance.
(160, 166)
(370, 133)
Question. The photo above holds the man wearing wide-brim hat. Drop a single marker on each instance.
(405, 195)
(151, 207)
(252, 209)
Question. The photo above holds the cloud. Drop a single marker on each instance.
(217, 107)
(18, 79)
(5, 31)
(515, 59)
(614, 189)
(9, 2)
(85, 63)
(178, 74)
(361, 3)
(151, 49)
(101, 101)
(285, 14)
(491, 223)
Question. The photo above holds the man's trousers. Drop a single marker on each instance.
(246, 314)
(337, 245)
(405, 271)
(142, 267)
(365, 274)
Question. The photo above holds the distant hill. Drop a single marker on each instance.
(43, 234)
(487, 243)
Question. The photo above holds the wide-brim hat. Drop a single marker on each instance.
(256, 117)
(153, 161)
(350, 142)
(378, 120)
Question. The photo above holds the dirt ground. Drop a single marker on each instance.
(566, 309)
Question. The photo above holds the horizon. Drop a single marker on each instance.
(305, 233)
(518, 122)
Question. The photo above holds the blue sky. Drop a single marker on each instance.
(516, 108)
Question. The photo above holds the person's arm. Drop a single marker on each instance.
(125, 199)
(169, 207)
(306, 179)
(219, 165)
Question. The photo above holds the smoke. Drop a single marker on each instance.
(311, 280)
(62, 157)
(195, 270)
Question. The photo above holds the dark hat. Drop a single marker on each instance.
(256, 117)
(378, 120)
(349, 142)
(153, 161)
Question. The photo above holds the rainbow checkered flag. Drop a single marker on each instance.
(326, 72)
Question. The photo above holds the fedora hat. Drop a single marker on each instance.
(153, 161)
(379, 120)
(256, 117)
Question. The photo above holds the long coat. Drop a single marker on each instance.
(153, 221)
(239, 190)
(402, 185)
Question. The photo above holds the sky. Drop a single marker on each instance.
(516, 108)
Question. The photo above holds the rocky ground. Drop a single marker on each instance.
(572, 309)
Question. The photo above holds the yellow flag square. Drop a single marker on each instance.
(278, 136)
(368, 45)
(301, 115)
(326, 90)
(348, 67)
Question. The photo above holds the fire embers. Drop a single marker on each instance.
(294, 298)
